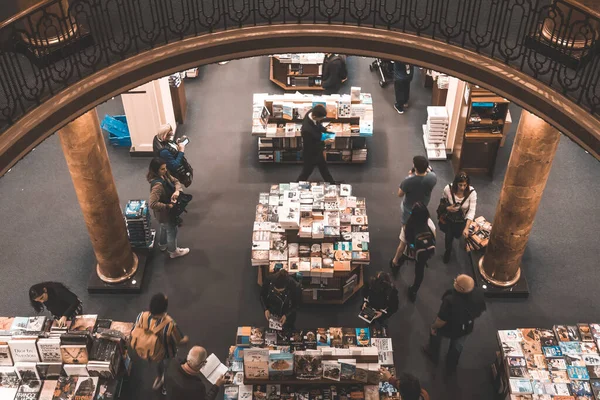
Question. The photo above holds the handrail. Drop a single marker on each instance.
(46, 49)
(28, 11)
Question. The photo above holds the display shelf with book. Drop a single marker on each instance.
(137, 220)
(277, 122)
(87, 359)
(318, 232)
(435, 132)
(285, 365)
(297, 71)
(539, 364)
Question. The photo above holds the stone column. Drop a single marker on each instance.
(564, 28)
(47, 26)
(528, 169)
(87, 159)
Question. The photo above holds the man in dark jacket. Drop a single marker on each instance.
(334, 73)
(403, 76)
(312, 131)
(455, 320)
(280, 298)
(183, 380)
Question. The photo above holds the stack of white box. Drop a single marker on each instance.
(435, 133)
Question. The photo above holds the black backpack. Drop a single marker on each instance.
(424, 245)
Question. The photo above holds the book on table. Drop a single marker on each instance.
(367, 314)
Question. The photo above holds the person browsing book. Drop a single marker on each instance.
(407, 385)
(183, 381)
(334, 73)
(462, 203)
(57, 299)
(417, 242)
(455, 320)
(380, 294)
(280, 299)
(313, 144)
(164, 191)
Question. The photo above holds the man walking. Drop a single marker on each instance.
(313, 144)
(183, 380)
(417, 186)
(461, 305)
(403, 76)
(155, 337)
(334, 73)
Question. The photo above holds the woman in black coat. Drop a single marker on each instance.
(56, 298)
(280, 298)
(381, 295)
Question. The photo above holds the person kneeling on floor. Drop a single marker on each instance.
(183, 381)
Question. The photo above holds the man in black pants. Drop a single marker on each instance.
(403, 75)
(313, 146)
(334, 73)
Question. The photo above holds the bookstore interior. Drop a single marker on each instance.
(317, 232)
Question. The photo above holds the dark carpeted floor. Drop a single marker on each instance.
(213, 290)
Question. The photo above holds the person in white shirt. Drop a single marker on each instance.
(461, 211)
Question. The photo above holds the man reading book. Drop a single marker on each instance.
(280, 298)
(183, 381)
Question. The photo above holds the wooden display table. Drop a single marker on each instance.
(297, 71)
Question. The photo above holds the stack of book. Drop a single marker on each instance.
(479, 234)
(277, 121)
(559, 363)
(435, 132)
(39, 359)
(311, 228)
(137, 219)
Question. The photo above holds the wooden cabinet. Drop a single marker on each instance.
(480, 131)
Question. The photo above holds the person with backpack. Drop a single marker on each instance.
(280, 298)
(457, 211)
(155, 337)
(417, 242)
(164, 191)
(334, 73)
(173, 153)
(380, 294)
(455, 320)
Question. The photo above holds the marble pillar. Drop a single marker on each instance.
(528, 169)
(85, 151)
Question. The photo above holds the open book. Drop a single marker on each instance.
(213, 369)
(367, 314)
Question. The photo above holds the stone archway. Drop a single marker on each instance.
(82, 96)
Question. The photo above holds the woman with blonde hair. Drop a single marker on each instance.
(173, 152)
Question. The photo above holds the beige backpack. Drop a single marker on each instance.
(146, 342)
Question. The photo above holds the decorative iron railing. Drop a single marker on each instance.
(59, 42)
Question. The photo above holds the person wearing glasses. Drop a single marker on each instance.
(183, 380)
(462, 200)
(455, 320)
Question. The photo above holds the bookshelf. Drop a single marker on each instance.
(277, 122)
(483, 123)
(297, 71)
(318, 233)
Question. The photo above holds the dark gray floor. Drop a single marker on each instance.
(214, 290)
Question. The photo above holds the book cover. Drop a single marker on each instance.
(516, 362)
(561, 333)
(5, 356)
(585, 333)
(559, 376)
(74, 354)
(363, 337)
(310, 339)
(547, 337)
(231, 392)
(349, 336)
(331, 370)
(47, 391)
(36, 323)
(323, 338)
(259, 392)
(510, 335)
(308, 364)
(6, 323)
(84, 323)
(19, 323)
(27, 371)
(367, 314)
(552, 351)
(336, 337)
(573, 333)
(108, 389)
(273, 392)
(85, 388)
(29, 390)
(281, 364)
(595, 385)
(570, 347)
(23, 350)
(76, 370)
(520, 386)
(348, 370)
(256, 363)
(588, 348)
(245, 392)
(49, 349)
(580, 388)
(65, 388)
(512, 349)
(51, 370)
(257, 336)
(577, 373)
(593, 371)
(362, 372)
(555, 364)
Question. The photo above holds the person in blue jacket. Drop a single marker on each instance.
(165, 148)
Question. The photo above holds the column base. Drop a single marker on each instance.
(520, 289)
(131, 285)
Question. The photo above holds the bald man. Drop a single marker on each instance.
(461, 305)
(183, 379)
